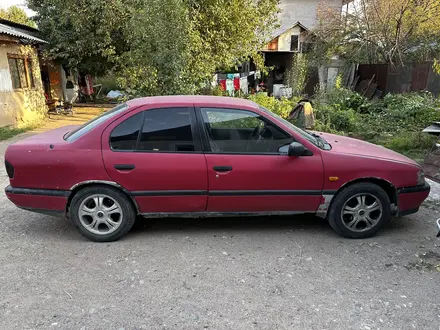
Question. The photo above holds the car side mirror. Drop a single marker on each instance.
(295, 149)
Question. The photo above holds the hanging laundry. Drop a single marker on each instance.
(244, 85)
(236, 84)
(230, 86)
(222, 83)
(230, 76)
(214, 81)
(236, 75)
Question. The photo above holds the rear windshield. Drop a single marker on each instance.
(86, 127)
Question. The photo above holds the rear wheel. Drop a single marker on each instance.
(360, 210)
(102, 214)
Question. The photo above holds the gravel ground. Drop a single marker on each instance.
(257, 273)
(434, 195)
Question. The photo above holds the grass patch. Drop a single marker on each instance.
(7, 132)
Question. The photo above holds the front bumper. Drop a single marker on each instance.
(409, 199)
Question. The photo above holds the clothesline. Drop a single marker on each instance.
(232, 82)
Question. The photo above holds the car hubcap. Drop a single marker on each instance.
(100, 214)
(361, 212)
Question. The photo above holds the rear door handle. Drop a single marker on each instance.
(222, 168)
(124, 167)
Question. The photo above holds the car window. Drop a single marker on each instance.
(86, 127)
(240, 131)
(167, 130)
(309, 137)
(125, 135)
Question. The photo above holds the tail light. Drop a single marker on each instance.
(9, 169)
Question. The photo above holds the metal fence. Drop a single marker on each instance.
(411, 77)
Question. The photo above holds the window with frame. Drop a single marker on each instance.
(167, 130)
(91, 124)
(241, 131)
(161, 130)
(294, 43)
(125, 136)
(21, 70)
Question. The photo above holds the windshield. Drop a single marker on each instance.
(309, 137)
(83, 129)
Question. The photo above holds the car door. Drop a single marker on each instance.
(247, 172)
(156, 155)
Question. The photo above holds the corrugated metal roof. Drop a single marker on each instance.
(19, 33)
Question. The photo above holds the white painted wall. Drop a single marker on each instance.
(20, 106)
(285, 38)
(303, 11)
(5, 80)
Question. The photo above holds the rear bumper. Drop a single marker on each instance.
(409, 199)
(39, 200)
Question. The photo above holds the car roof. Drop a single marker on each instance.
(197, 100)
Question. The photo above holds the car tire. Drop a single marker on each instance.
(102, 214)
(359, 210)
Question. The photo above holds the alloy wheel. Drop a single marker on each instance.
(361, 212)
(100, 214)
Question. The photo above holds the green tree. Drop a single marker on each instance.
(380, 31)
(157, 46)
(84, 34)
(17, 15)
(297, 75)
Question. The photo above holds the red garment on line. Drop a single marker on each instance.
(236, 84)
(222, 84)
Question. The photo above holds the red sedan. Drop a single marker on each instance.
(203, 156)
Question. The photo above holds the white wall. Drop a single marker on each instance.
(20, 106)
(303, 11)
(285, 38)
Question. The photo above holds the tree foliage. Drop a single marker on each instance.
(17, 15)
(156, 46)
(297, 75)
(380, 31)
(84, 34)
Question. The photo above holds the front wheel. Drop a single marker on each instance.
(360, 210)
(102, 214)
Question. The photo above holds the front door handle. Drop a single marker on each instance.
(222, 168)
(124, 167)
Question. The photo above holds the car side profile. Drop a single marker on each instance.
(206, 156)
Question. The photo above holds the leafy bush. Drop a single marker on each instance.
(108, 83)
(296, 76)
(410, 141)
(213, 91)
(337, 110)
(334, 120)
(412, 144)
(281, 107)
(413, 109)
(396, 121)
(343, 99)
